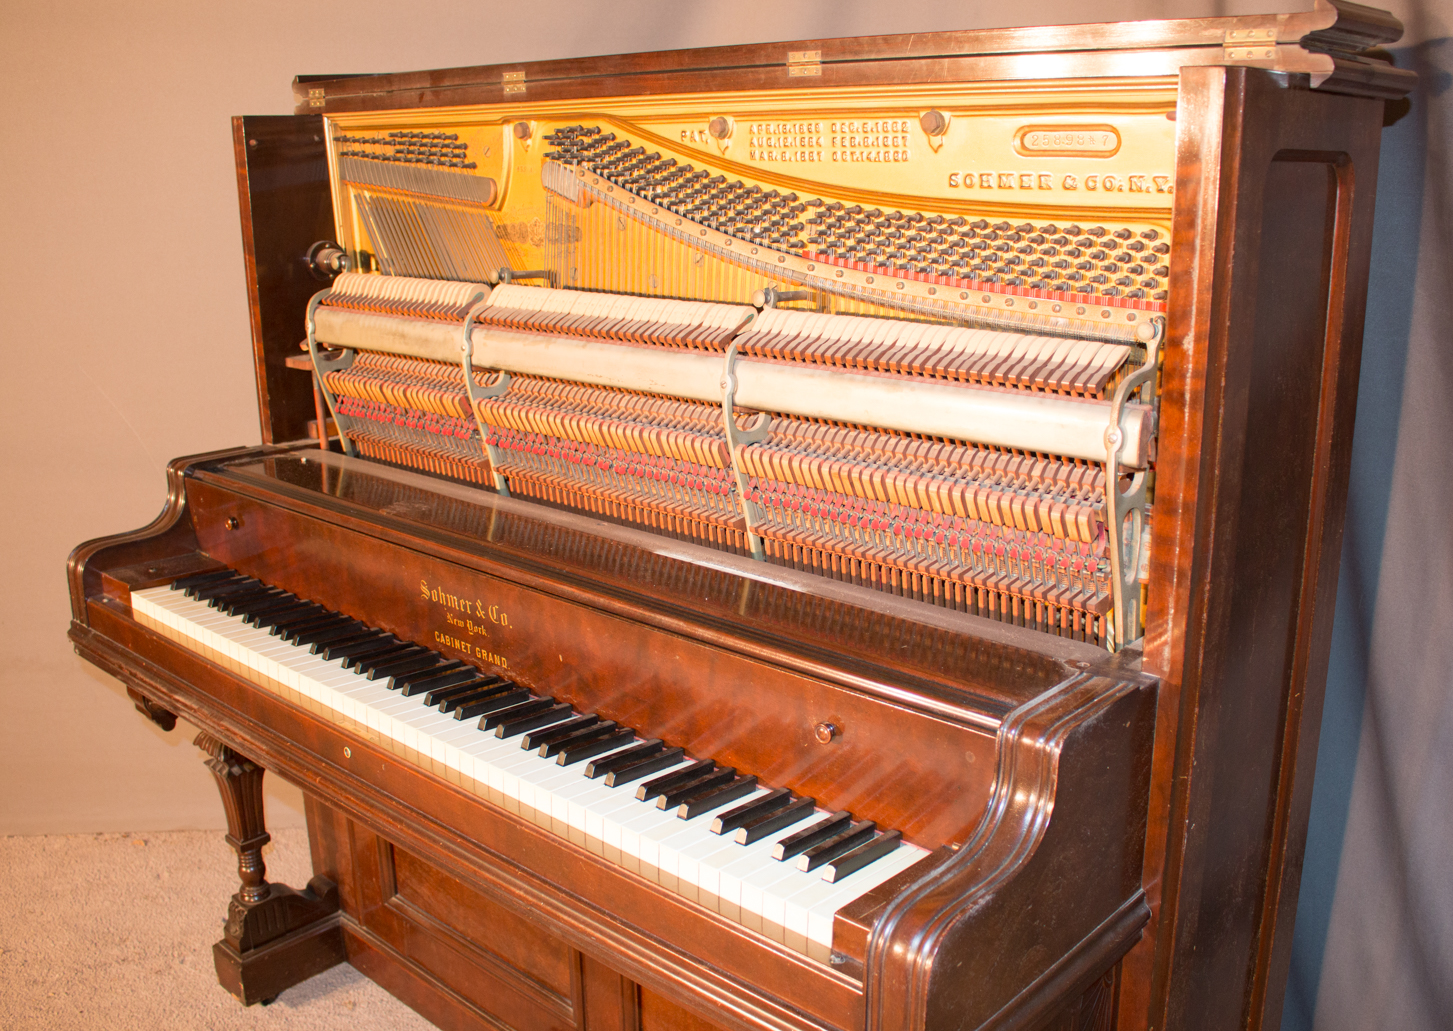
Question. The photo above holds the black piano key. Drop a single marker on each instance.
(837, 845)
(305, 636)
(405, 650)
(529, 721)
(230, 577)
(504, 697)
(584, 736)
(674, 779)
(852, 862)
(536, 738)
(400, 651)
(437, 678)
(260, 595)
(316, 642)
(705, 801)
(319, 625)
(372, 640)
(304, 617)
(771, 823)
(182, 583)
(242, 604)
(286, 607)
(644, 767)
(402, 680)
(445, 697)
(730, 820)
(481, 683)
(278, 602)
(635, 754)
(212, 591)
(227, 588)
(690, 789)
(387, 645)
(578, 752)
(271, 615)
(376, 641)
(800, 842)
(525, 708)
(322, 642)
(418, 662)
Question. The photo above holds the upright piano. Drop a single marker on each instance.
(826, 536)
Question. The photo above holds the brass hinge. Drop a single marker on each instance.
(804, 62)
(514, 83)
(1250, 44)
(315, 96)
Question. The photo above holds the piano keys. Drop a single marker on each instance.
(668, 832)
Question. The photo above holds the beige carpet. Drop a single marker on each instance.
(115, 931)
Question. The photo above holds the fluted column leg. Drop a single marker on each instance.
(274, 937)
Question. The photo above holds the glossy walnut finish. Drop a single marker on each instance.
(1122, 850)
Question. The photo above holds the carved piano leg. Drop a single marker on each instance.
(274, 937)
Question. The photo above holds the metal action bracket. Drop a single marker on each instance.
(508, 275)
(770, 296)
(1125, 509)
(477, 393)
(738, 438)
(321, 366)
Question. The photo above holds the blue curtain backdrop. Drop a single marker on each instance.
(1374, 936)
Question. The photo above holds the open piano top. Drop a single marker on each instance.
(880, 452)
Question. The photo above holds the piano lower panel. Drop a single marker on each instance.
(422, 935)
(751, 982)
(492, 961)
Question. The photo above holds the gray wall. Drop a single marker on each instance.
(125, 343)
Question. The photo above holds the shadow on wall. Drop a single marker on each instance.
(1402, 183)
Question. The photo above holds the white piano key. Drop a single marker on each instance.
(818, 907)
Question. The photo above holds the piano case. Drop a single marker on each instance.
(992, 645)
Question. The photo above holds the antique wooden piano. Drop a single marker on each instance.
(825, 535)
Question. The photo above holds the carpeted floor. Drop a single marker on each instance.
(116, 930)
